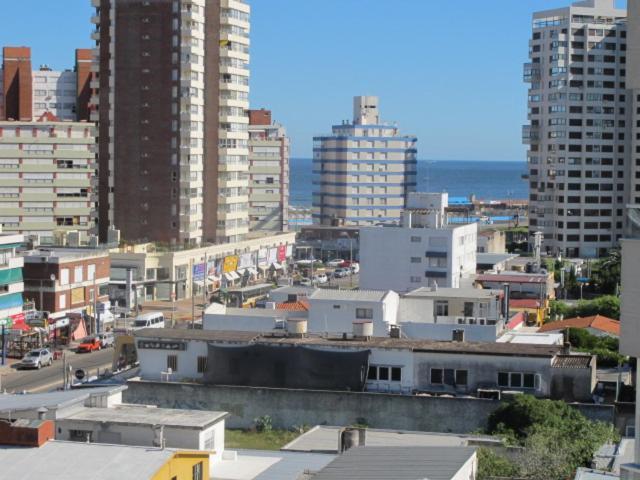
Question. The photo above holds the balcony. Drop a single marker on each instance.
(95, 3)
(531, 73)
(95, 19)
(95, 35)
(530, 134)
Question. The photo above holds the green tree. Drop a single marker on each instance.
(606, 272)
(556, 437)
(491, 465)
(607, 305)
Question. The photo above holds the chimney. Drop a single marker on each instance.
(42, 413)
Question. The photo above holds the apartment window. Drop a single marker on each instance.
(77, 274)
(364, 313)
(416, 239)
(172, 362)
(449, 376)
(202, 364)
(91, 272)
(518, 380)
(80, 435)
(415, 279)
(442, 308)
(64, 276)
(416, 260)
(468, 309)
(196, 472)
(385, 373)
(62, 301)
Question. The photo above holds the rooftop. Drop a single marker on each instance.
(596, 322)
(531, 338)
(299, 306)
(352, 295)
(324, 439)
(493, 258)
(572, 361)
(63, 254)
(145, 415)
(294, 290)
(524, 303)
(268, 465)
(398, 463)
(462, 292)
(513, 277)
(52, 400)
(79, 461)
(478, 348)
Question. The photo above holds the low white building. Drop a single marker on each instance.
(219, 317)
(394, 365)
(335, 311)
(468, 314)
(423, 252)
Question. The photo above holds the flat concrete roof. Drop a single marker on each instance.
(324, 439)
(52, 400)
(79, 461)
(483, 258)
(462, 292)
(268, 465)
(351, 295)
(145, 415)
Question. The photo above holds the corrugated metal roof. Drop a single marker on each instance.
(572, 361)
(51, 400)
(398, 463)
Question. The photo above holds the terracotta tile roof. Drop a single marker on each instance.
(597, 322)
(572, 361)
(524, 303)
(48, 117)
(299, 306)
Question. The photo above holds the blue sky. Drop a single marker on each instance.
(447, 71)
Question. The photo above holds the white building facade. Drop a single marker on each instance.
(423, 252)
(11, 280)
(577, 127)
(364, 170)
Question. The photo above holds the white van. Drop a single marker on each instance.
(149, 320)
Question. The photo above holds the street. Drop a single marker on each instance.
(50, 378)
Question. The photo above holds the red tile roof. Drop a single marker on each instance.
(597, 322)
(524, 303)
(299, 306)
(48, 117)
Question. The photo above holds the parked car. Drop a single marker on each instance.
(37, 358)
(306, 282)
(355, 267)
(106, 339)
(341, 272)
(320, 278)
(89, 344)
(336, 262)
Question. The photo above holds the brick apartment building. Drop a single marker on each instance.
(65, 281)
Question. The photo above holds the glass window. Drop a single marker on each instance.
(364, 313)
(461, 377)
(528, 380)
(77, 274)
(383, 373)
(436, 376)
(64, 276)
(396, 374)
(503, 379)
(373, 373)
(516, 380)
(449, 376)
(442, 308)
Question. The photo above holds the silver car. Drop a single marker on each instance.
(37, 358)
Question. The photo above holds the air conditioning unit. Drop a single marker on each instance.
(482, 320)
(461, 320)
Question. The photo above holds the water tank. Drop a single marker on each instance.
(297, 326)
(363, 328)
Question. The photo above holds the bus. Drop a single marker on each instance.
(149, 320)
(245, 297)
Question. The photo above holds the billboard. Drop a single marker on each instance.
(230, 264)
(263, 256)
(282, 253)
(246, 261)
(199, 271)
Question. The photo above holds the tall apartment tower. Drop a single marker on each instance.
(268, 173)
(47, 147)
(172, 102)
(365, 170)
(578, 127)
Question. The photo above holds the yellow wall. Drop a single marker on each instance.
(180, 466)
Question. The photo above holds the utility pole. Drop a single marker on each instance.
(193, 298)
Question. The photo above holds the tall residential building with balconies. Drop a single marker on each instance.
(578, 127)
(171, 106)
(268, 173)
(364, 169)
(47, 147)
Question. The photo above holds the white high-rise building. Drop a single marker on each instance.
(365, 170)
(578, 127)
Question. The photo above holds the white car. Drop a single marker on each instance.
(355, 267)
(106, 339)
(37, 358)
(336, 262)
(320, 278)
(341, 272)
(305, 282)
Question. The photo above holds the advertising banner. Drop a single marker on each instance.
(263, 256)
(199, 271)
(289, 251)
(273, 256)
(282, 253)
(230, 264)
(245, 261)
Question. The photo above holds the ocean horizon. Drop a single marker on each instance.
(486, 179)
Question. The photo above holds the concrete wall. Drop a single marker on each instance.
(289, 408)
(630, 307)
(444, 331)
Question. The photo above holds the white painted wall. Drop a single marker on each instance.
(630, 308)
(468, 470)
(386, 255)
